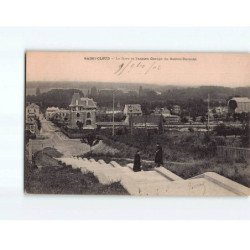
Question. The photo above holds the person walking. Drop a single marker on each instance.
(137, 162)
(158, 156)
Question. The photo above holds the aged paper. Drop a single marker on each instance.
(137, 123)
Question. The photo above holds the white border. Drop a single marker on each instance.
(124, 13)
(14, 42)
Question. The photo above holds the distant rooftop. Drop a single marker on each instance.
(240, 99)
(32, 105)
(132, 109)
(82, 101)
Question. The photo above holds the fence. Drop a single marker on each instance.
(233, 153)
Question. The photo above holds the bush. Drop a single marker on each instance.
(223, 130)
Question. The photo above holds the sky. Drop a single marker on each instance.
(193, 69)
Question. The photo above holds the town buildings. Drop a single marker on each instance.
(50, 111)
(31, 118)
(61, 116)
(31, 125)
(32, 110)
(176, 109)
(239, 105)
(82, 109)
(131, 110)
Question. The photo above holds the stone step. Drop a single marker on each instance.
(144, 183)
(159, 181)
(225, 183)
(136, 187)
(168, 174)
(195, 187)
(102, 162)
(130, 166)
(107, 175)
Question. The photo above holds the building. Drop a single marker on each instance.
(176, 110)
(62, 116)
(165, 112)
(31, 125)
(162, 111)
(50, 112)
(31, 119)
(32, 110)
(239, 105)
(132, 109)
(82, 109)
(172, 119)
(221, 110)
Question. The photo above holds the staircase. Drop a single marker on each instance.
(159, 181)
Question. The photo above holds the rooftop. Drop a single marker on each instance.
(82, 101)
(32, 105)
(132, 108)
(240, 99)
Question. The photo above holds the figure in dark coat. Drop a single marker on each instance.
(158, 156)
(137, 162)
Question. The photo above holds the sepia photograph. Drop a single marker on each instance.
(137, 123)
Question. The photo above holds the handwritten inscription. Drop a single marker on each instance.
(137, 67)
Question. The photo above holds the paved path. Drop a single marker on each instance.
(56, 139)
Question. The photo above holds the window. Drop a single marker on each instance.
(88, 122)
(88, 115)
(77, 115)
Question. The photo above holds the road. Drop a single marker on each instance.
(56, 139)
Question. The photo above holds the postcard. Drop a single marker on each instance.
(137, 123)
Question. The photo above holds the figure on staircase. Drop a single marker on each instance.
(137, 162)
(158, 156)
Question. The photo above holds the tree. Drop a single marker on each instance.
(146, 112)
(161, 125)
(55, 97)
(79, 125)
(93, 92)
(203, 119)
(39, 125)
(245, 139)
(91, 139)
(184, 119)
(38, 92)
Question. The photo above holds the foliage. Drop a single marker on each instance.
(91, 139)
(38, 92)
(79, 125)
(223, 130)
(62, 179)
(245, 140)
(28, 135)
(39, 125)
(119, 117)
(184, 120)
(56, 97)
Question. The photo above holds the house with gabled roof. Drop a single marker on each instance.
(82, 109)
(132, 109)
(32, 110)
(239, 105)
